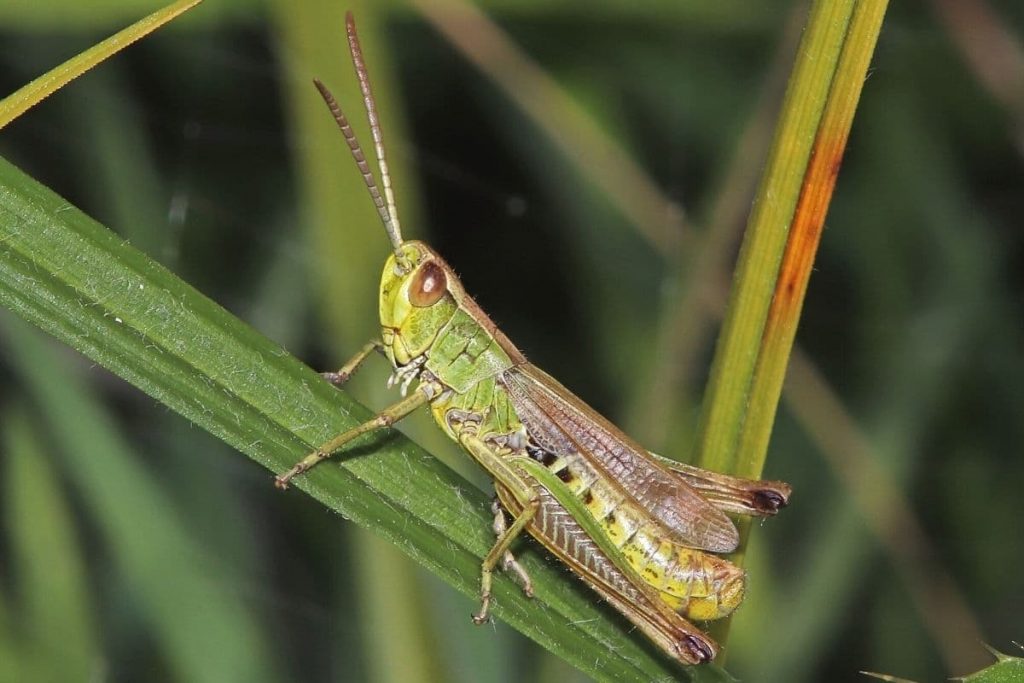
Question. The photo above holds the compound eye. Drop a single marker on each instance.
(428, 285)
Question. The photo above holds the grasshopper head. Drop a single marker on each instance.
(415, 300)
(417, 287)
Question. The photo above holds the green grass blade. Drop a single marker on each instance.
(51, 579)
(732, 374)
(781, 241)
(17, 103)
(70, 276)
(1007, 669)
(807, 224)
(15, 662)
(914, 391)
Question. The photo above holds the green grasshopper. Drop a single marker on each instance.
(643, 531)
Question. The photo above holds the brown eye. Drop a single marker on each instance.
(428, 285)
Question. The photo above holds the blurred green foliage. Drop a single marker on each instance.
(205, 147)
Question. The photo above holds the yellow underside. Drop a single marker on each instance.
(696, 584)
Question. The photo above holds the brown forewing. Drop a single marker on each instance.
(563, 424)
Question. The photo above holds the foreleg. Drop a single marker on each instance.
(384, 418)
(348, 369)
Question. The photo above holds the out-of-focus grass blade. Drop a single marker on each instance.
(50, 574)
(116, 162)
(79, 282)
(17, 103)
(205, 626)
(14, 664)
(394, 609)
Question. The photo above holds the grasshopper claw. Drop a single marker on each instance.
(336, 378)
(699, 649)
(485, 605)
(281, 480)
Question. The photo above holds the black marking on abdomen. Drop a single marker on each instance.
(541, 455)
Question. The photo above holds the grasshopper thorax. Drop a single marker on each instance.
(417, 298)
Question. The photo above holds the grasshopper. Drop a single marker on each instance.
(643, 531)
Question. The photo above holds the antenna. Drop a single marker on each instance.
(371, 115)
(385, 205)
